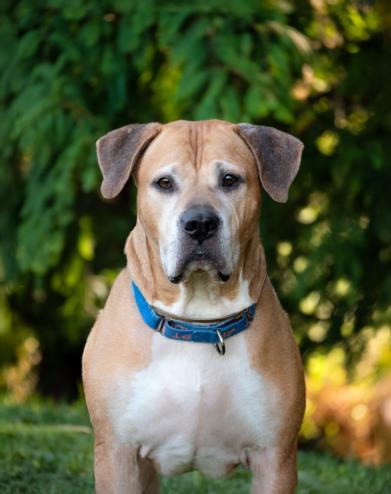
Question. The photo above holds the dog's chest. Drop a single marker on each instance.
(192, 408)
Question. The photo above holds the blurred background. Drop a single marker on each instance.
(72, 70)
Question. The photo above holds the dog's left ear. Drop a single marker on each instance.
(118, 152)
(277, 155)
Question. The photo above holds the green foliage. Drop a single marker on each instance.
(72, 70)
(46, 448)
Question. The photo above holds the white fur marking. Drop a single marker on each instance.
(200, 299)
(191, 408)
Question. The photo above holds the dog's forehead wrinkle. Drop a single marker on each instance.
(196, 143)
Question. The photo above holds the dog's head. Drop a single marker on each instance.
(198, 186)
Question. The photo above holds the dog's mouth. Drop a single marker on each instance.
(200, 261)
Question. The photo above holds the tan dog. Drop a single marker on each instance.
(164, 406)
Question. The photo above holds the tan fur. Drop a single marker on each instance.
(119, 344)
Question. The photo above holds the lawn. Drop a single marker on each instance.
(48, 449)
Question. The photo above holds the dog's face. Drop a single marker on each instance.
(199, 187)
(198, 198)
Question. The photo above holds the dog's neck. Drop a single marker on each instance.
(200, 297)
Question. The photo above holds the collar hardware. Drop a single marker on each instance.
(214, 331)
(220, 346)
(160, 325)
(249, 314)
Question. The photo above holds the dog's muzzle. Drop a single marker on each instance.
(200, 242)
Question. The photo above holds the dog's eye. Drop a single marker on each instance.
(230, 180)
(165, 183)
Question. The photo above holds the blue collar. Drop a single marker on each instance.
(214, 332)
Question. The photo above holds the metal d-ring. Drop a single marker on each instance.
(220, 346)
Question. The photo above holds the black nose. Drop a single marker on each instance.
(200, 223)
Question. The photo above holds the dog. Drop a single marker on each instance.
(192, 363)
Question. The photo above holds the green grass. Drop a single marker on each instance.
(48, 449)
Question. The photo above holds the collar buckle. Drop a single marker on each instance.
(249, 315)
(161, 324)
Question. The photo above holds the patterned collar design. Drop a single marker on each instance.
(213, 331)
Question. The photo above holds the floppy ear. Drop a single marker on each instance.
(277, 155)
(118, 152)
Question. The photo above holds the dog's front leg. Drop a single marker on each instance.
(274, 471)
(118, 470)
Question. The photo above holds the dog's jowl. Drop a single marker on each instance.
(192, 363)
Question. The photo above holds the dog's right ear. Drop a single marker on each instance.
(118, 152)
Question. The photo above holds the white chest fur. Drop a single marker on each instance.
(192, 408)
